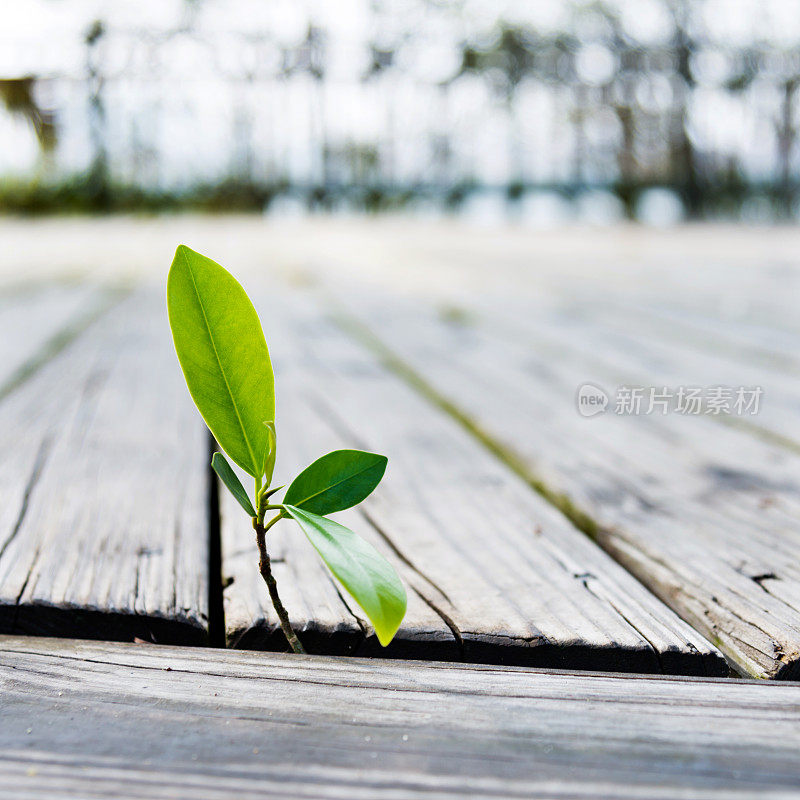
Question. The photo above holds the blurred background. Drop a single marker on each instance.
(542, 112)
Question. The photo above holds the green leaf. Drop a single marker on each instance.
(272, 451)
(270, 492)
(229, 478)
(368, 577)
(336, 481)
(223, 355)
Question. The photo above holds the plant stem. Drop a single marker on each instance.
(265, 568)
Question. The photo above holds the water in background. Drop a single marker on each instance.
(537, 111)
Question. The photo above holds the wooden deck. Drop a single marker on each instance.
(527, 534)
(129, 721)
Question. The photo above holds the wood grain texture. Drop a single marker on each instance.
(704, 515)
(495, 574)
(128, 721)
(643, 346)
(104, 489)
(39, 319)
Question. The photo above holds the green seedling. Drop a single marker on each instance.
(224, 358)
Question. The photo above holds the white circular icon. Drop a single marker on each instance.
(591, 400)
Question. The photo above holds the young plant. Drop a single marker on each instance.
(224, 358)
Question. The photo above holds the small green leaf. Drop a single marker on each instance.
(362, 570)
(336, 481)
(271, 492)
(223, 355)
(272, 451)
(229, 478)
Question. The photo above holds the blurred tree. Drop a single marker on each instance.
(787, 133)
(97, 182)
(308, 57)
(510, 57)
(19, 98)
(684, 158)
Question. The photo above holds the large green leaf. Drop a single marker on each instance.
(336, 481)
(230, 479)
(223, 355)
(361, 569)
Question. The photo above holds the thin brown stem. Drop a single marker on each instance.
(265, 568)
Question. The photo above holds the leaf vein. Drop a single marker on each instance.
(332, 486)
(219, 361)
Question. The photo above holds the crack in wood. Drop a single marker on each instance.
(33, 479)
(402, 556)
(633, 626)
(457, 635)
(358, 620)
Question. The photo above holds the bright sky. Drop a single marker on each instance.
(43, 35)
(185, 86)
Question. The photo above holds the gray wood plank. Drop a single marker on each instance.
(495, 573)
(772, 343)
(704, 515)
(104, 489)
(103, 720)
(38, 320)
(639, 347)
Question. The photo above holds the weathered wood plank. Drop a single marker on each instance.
(771, 343)
(119, 720)
(37, 321)
(638, 347)
(495, 573)
(103, 489)
(704, 515)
